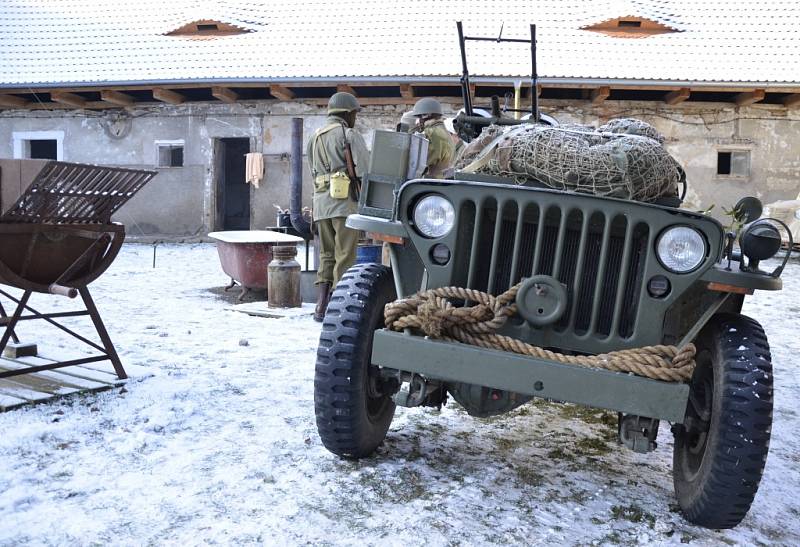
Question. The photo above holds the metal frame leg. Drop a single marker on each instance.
(9, 332)
(103, 333)
(3, 315)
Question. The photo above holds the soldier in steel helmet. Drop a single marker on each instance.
(333, 195)
(408, 122)
(441, 151)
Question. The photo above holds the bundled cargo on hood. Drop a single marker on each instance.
(623, 159)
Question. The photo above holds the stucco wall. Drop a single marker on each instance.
(180, 202)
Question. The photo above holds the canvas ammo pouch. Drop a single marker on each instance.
(337, 183)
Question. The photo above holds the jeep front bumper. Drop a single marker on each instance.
(455, 362)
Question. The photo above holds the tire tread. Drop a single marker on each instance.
(354, 311)
(737, 458)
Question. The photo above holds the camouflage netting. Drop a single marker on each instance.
(623, 159)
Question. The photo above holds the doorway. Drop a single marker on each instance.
(233, 193)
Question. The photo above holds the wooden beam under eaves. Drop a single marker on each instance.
(168, 96)
(600, 94)
(389, 101)
(116, 97)
(69, 99)
(346, 88)
(750, 97)
(406, 91)
(677, 96)
(12, 101)
(792, 101)
(281, 93)
(224, 94)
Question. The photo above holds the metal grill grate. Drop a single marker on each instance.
(71, 193)
(599, 257)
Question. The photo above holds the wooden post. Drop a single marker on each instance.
(792, 101)
(168, 96)
(12, 101)
(224, 94)
(281, 93)
(600, 94)
(69, 99)
(117, 98)
(406, 91)
(677, 96)
(747, 98)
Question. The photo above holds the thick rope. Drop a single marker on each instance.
(433, 313)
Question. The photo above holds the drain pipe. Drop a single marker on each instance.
(299, 223)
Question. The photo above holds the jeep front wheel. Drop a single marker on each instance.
(721, 447)
(353, 404)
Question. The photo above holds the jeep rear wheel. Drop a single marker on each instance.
(721, 447)
(353, 404)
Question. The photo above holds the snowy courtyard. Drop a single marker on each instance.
(219, 444)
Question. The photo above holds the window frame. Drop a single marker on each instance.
(22, 147)
(733, 176)
(171, 144)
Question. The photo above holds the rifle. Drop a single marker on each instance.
(355, 182)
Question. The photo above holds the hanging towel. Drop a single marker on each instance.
(254, 168)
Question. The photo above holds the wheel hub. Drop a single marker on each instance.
(698, 418)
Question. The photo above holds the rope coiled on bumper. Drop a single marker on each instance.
(433, 313)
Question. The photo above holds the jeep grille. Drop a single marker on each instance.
(599, 257)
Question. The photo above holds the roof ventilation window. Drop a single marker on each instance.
(630, 27)
(207, 28)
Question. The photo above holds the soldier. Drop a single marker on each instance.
(458, 144)
(441, 151)
(408, 122)
(333, 199)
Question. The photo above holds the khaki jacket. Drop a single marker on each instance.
(325, 153)
(441, 150)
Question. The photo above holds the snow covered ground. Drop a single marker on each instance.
(220, 445)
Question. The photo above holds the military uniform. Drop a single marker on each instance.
(441, 150)
(458, 150)
(325, 152)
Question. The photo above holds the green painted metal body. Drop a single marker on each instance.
(603, 252)
(453, 362)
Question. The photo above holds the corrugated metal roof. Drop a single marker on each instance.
(62, 42)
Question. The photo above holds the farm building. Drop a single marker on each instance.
(189, 88)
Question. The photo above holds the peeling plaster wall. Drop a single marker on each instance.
(180, 202)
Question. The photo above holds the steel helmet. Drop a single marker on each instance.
(343, 102)
(426, 107)
(408, 118)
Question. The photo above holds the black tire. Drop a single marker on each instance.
(353, 406)
(716, 472)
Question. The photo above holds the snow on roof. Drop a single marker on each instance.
(93, 42)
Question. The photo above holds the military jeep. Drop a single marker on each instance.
(604, 274)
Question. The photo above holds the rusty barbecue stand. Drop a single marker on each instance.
(57, 238)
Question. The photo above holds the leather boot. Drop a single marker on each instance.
(323, 296)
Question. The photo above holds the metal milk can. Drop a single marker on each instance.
(283, 278)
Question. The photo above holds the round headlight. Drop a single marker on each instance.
(434, 216)
(681, 249)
